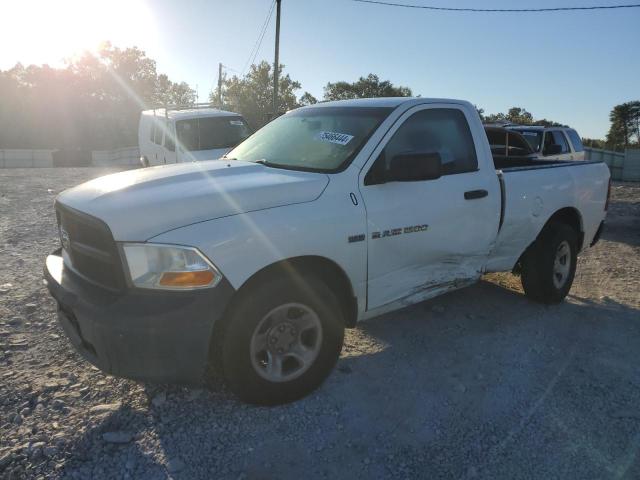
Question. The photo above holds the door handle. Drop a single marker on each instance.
(473, 194)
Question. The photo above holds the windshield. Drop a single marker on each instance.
(317, 139)
(209, 133)
(533, 137)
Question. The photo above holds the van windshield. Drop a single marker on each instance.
(316, 139)
(209, 133)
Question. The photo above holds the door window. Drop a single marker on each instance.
(441, 130)
(555, 137)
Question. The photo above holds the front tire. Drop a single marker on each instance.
(282, 340)
(549, 266)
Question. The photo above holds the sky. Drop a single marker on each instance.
(571, 67)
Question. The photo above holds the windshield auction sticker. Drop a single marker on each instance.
(334, 137)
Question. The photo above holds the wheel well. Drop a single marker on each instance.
(569, 216)
(324, 269)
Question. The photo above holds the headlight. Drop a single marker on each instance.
(169, 267)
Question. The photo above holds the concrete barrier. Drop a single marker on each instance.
(21, 158)
(615, 160)
(631, 170)
(128, 156)
(33, 158)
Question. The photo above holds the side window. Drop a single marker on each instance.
(575, 140)
(444, 131)
(169, 142)
(157, 135)
(560, 139)
(152, 130)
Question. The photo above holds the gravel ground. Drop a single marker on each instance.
(479, 383)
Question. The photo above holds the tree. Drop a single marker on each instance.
(364, 87)
(517, 115)
(307, 99)
(594, 143)
(94, 102)
(625, 125)
(172, 93)
(252, 95)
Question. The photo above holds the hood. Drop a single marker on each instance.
(140, 204)
(203, 154)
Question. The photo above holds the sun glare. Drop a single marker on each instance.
(49, 31)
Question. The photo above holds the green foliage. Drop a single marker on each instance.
(625, 125)
(92, 103)
(307, 99)
(517, 115)
(594, 143)
(364, 87)
(252, 95)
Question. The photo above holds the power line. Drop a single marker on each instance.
(256, 47)
(497, 10)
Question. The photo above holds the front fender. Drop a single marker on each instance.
(241, 245)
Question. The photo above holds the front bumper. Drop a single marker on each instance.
(161, 336)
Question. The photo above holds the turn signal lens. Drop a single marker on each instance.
(172, 267)
(187, 279)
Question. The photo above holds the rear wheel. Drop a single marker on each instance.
(282, 341)
(549, 266)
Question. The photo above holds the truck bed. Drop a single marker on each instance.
(532, 192)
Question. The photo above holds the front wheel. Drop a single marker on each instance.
(282, 340)
(549, 266)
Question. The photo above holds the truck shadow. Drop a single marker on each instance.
(474, 381)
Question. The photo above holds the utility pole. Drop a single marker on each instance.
(276, 62)
(220, 85)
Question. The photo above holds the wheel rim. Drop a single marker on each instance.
(286, 342)
(562, 265)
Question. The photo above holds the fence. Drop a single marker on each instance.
(15, 158)
(623, 166)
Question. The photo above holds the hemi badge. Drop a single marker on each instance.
(357, 238)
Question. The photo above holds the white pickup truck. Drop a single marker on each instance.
(329, 215)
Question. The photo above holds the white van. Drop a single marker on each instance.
(184, 134)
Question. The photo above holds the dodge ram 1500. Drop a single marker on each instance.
(328, 215)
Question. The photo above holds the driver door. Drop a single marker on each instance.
(427, 236)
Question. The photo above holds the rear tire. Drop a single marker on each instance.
(549, 265)
(282, 340)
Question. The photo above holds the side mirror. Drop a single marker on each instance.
(554, 149)
(412, 167)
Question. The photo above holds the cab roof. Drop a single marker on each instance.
(386, 102)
